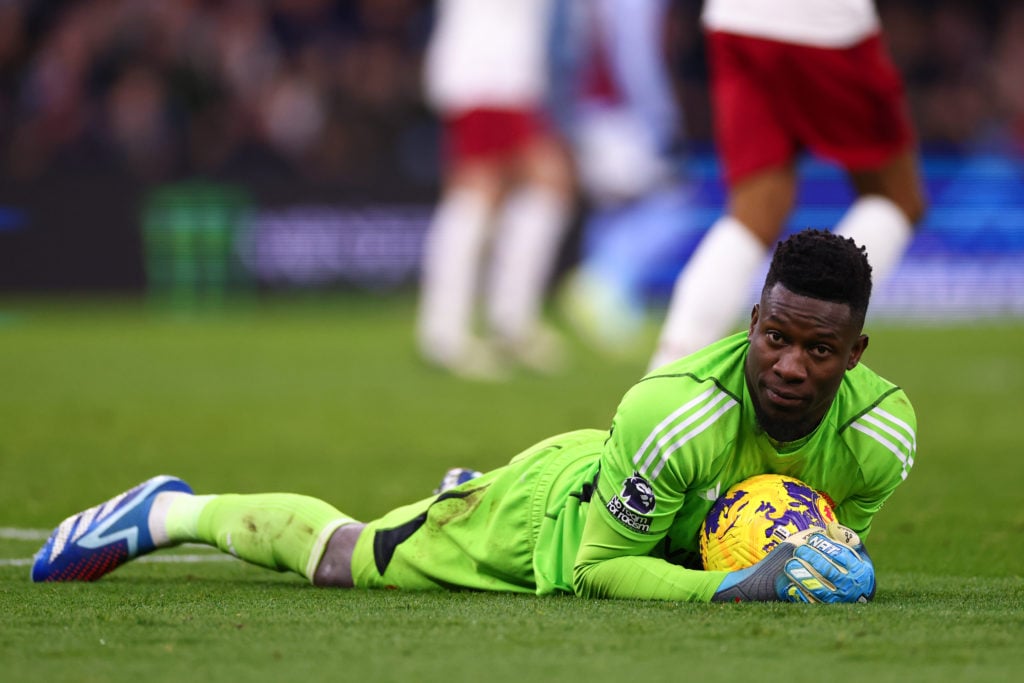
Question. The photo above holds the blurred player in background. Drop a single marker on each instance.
(508, 190)
(624, 125)
(786, 76)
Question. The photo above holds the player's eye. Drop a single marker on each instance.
(821, 351)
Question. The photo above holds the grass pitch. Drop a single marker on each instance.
(326, 397)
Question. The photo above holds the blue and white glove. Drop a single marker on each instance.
(810, 566)
(825, 570)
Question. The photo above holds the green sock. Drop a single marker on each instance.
(280, 531)
(181, 517)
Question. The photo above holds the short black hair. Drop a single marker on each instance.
(823, 265)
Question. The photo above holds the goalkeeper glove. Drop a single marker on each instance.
(808, 567)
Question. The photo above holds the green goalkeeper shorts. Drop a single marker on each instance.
(514, 529)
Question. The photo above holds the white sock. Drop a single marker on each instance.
(531, 228)
(880, 226)
(712, 291)
(450, 274)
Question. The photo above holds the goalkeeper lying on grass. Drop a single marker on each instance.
(601, 513)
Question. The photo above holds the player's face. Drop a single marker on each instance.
(800, 348)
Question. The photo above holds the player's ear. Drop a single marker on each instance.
(857, 351)
(754, 314)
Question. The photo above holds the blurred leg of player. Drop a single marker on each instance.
(479, 144)
(531, 228)
(891, 201)
(712, 292)
(453, 252)
(486, 74)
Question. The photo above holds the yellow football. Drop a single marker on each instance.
(756, 515)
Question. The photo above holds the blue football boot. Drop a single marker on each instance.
(455, 477)
(96, 542)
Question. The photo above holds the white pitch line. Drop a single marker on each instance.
(17, 534)
(20, 534)
(155, 559)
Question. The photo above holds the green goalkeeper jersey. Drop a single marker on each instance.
(617, 513)
(687, 432)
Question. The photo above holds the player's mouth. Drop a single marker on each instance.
(784, 399)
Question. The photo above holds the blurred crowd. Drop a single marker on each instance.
(331, 89)
(175, 87)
